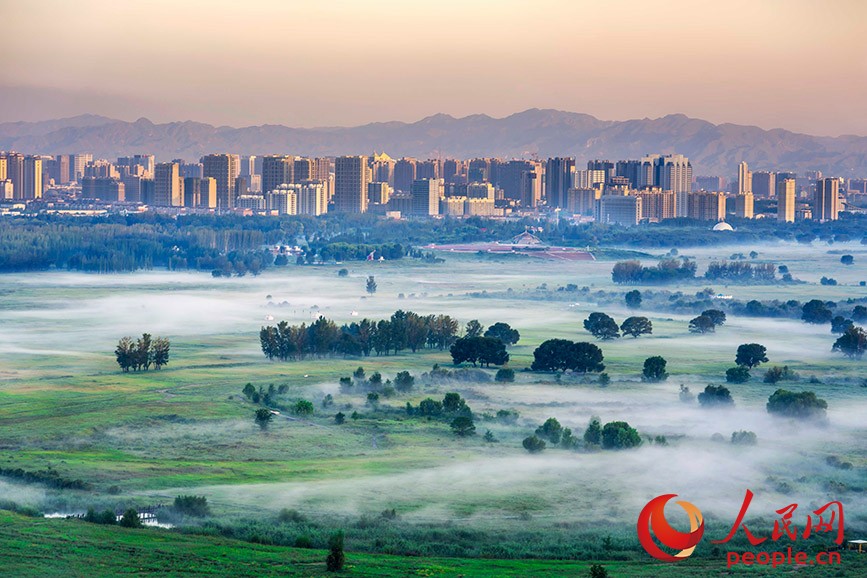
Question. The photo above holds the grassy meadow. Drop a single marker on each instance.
(141, 439)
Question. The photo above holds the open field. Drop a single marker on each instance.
(187, 429)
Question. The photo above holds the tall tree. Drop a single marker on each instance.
(633, 299)
(125, 353)
(160, 352)
(371, 285)
(602, 326)
(751, 354)
(474, 328)
(702, 324)
(654, 369)
(853, 343)
(503, 332)
(636, 326)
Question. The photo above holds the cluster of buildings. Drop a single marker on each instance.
(653, 188)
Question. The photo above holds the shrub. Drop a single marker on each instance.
(533, 444)
(619, 435)
(505, 375)
(130, 519)
(744, 438)
(715, 396)
(336, 558)
(738, 374)
(192, 506)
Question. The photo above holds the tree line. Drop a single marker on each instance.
(403, 330)
(141, 354)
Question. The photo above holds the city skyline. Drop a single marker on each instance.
(215, 62)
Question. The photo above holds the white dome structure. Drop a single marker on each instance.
(723, 226)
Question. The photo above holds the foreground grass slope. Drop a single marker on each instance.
(44, 548)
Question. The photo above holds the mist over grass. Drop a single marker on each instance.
(187, 429)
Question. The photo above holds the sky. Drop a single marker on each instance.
(794, 64)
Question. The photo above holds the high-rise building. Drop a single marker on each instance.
(479, 170)
(582, 201)
(480, 191)
(826, 201)
(630, 170)
(15, 173)
(77, 163)
(383, 169)
(745, 178)
(303, 170)
(429, 169)
(168, 185)
(277, 170)
(248, 167)
(60, 170)
(744, 205)
(426, 197)
(132, 188)
(559, 178)
(378, 193)
(103, 188)
(454, 171)
(4, 167)
(404, 174)
(200, 193)
(351, 176)
(283, 199)
(656, 205)
(31, 180)
(764, 184)
(706, 206)
(619, 209)
(224, 169)
(786, 200)
(312, 198)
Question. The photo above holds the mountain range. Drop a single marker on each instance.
(713, 149)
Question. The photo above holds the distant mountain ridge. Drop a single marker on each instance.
(713, 149)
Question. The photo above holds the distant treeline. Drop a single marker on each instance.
(403, 330)
(231, 244)
(48, 477)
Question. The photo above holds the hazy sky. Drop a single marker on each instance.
(795, 64)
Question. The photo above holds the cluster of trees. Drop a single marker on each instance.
(603, 326)
(615, 435)
(803, 405)
(562, 355)
(707, 322)
(666, 271)
(404, 330)
(739, 271)
(141, 354)
(452, 407)
(853, 343)
(196, 506)
(748, 356)
(485, 351)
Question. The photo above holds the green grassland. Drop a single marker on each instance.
(38, 548)
(148, 437)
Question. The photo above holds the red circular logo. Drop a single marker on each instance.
(652, 519)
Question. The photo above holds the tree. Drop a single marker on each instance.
(593, 433)
(715, 396)
(473, 328)
(562, 354)
(840, 324)
(486, 351)
(303, 407)
(737, 374)
(550, 430)
(598, 571)
(336, 558)
(403, 381)
(142, 356)
(130, 519)
(636, 326)
(702, 324)
(859, 314)
(602, 326)
(847, 259)
(263, 417)
(454, 403)
(751, 355)
(505, 375)
(371, 285)
(160, 352)
(777, 373)
(339, 417)
(533, 444)
(803, 405)
(654, 369)
(633, 299)
(744, 438)
(816, 311)
(125, 352)
(463, 426)
(343, 273)
(196, 506)
(248, 390)
(718, 317)
(503, 332)
(618, 435)
(853, 343)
